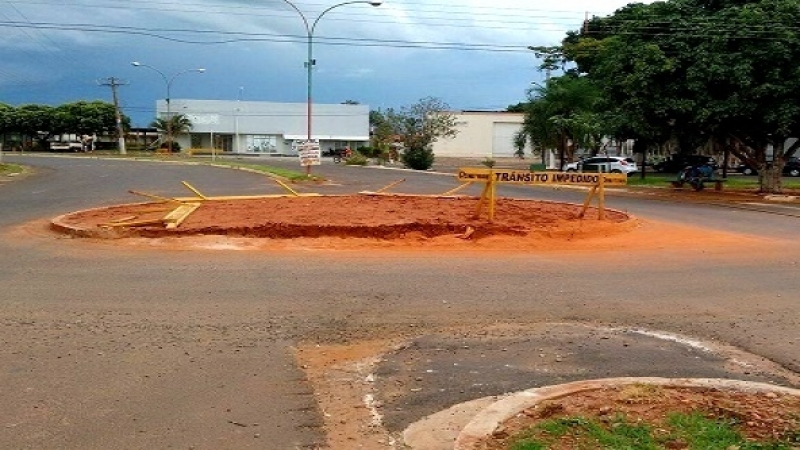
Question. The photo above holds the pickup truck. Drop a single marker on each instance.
(71, 146)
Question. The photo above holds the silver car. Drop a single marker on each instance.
(607, 164)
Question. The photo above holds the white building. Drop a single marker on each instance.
(247, 127)
(488, 134)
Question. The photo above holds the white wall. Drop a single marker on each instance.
(482, 135)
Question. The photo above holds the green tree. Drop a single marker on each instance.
(419, 126)
(174, 126)
(6, 121)
(382, 133)
(563, 111)
(700, 70)
(84, 118)
(33, 121)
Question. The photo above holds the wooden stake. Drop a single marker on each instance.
(138, 223)
(391, 185)
(602, 198)
(492, 199)
(157, 197)
(291, 191)
(453, 191)
(191, 188)
(484, 197)
(179, 214)
(587, 201)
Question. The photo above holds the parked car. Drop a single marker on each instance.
(676, 163)
(612, 164)
(66, 146)
(792, 168)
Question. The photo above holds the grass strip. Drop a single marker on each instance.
(693, 431)
(10, 169)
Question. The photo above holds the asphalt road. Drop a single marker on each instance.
(109, 346)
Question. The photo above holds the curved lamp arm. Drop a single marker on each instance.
(368, 2)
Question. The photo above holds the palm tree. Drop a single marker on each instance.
(175, 125)
(563, 110)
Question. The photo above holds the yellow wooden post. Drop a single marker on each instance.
(601, 202)
(587, 201)
(492, 190)
(483, 198)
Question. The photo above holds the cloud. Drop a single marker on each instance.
(472, 53)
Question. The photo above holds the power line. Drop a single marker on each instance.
(454, 19)
(58, 53)
(256, 37)
(231, 37)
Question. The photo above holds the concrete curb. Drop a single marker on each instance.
(490, 418)
(58, 224)
(782, 198)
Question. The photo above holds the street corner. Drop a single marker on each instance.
(421, 392)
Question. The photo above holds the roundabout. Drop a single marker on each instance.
(135, 341)
(400, 220)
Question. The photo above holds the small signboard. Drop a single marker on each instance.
(309, 152)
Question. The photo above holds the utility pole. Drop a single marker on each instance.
(113, 83)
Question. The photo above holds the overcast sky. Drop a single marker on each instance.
(470, 53)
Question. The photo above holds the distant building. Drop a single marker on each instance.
(248, 127)
(488, 134)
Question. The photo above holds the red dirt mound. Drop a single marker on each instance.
(361, 216)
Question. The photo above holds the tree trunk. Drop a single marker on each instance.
(770, 176)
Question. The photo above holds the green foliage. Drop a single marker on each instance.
(31, 119)
(70, 118)
(369, 152)
(6, 169)
(704, 432)
(489, 162)
(695, 70)
(84, 118)
(177, 124)
(695, 430)
(175, 147)
(418, 126)
(516, 108)
(356, 159)
(565, 109)
(418, 157)
(173, 126)
(520, 139)
(12, 145)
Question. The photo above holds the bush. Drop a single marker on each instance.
(489, 162)
(12, 146)
(356, 159)
(418, 158)
(368, 152)
(176, 147)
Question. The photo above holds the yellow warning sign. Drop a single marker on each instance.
(492, 177)
(479, 174)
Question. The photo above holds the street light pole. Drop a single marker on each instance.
(310, 58)
(168, 82)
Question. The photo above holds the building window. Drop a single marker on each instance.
(262, 144)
